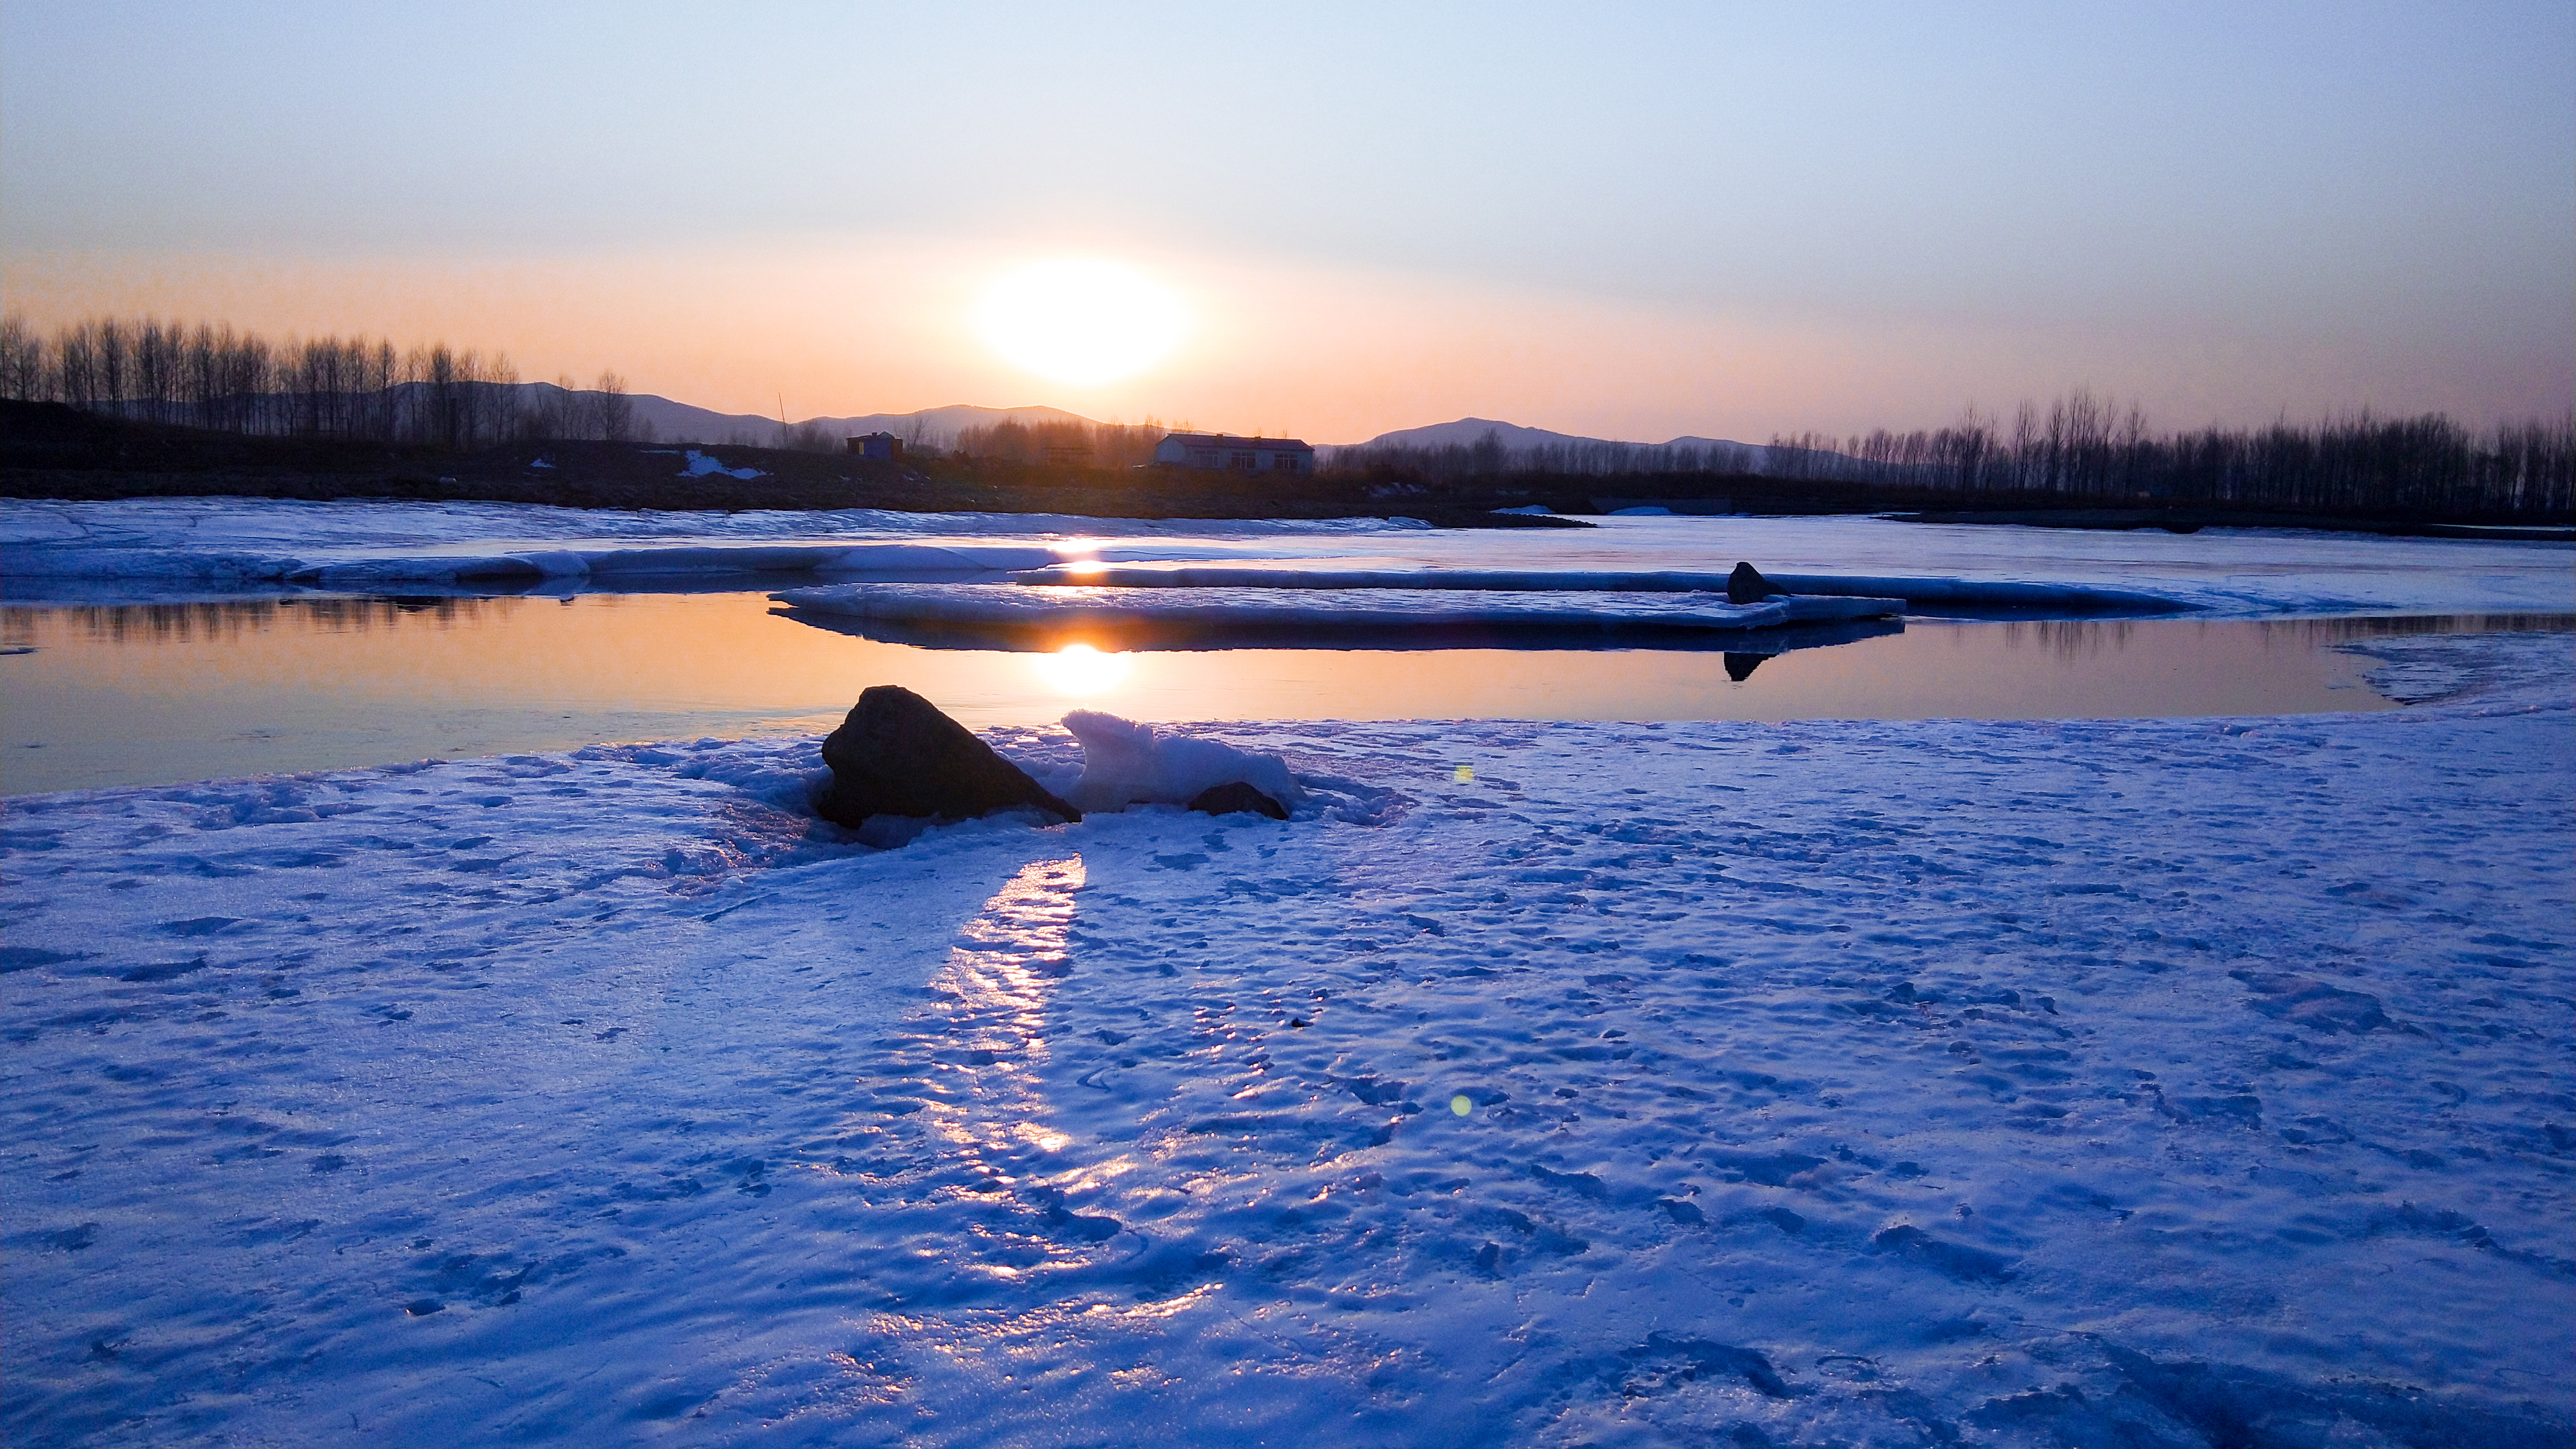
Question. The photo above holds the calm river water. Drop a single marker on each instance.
(162, 693)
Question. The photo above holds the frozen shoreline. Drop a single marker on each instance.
(52, 551)
(1849, 1081)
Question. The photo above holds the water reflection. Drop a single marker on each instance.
(182, 623)
(1082, 671)
(161, 693)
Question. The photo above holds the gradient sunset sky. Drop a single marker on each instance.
(1629, 221)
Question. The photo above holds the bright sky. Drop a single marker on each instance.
(1632, 221)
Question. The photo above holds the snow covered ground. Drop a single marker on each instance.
(198, 547)
(2076, 1083)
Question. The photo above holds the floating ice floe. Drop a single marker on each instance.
(1237, 609)
(1983, 593)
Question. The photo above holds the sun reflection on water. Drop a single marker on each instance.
(1081, 671)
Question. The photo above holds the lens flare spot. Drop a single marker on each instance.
(1460, 1105)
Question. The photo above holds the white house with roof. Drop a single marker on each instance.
(1224, 452)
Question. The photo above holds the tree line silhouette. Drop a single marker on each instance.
(211, 376)
(2081, 450)
(1062, 443)
(2084, 451)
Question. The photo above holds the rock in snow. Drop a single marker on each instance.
(896, 754)
(1747, 586)
(1236, 798)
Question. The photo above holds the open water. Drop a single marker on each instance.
(137, 694)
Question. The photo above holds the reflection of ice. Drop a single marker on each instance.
(1080, 670)
(985, 1074)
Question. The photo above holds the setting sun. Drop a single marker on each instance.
(1079, 321)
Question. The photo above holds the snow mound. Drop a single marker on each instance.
(702, 466)
(1125, 763)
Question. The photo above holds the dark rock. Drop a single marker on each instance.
(1747, 586)
(897, 754)
(1740, 667)
(1236, 798)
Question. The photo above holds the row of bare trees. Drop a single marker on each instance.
(1066, 443)
(1489, 456)
(2086, 450)
(211, 376)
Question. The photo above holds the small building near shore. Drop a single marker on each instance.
(1226, 453)
(884, 446)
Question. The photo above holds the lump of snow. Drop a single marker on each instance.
(701, 465)
(896, 754)
(1124, 763)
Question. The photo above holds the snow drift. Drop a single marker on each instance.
(1124, 763)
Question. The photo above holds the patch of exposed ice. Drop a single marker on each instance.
(2513, 671)
(1240, 608)
(2032, 597)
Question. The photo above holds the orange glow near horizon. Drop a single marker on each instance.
(1329, 354)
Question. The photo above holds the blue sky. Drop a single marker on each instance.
(1637, 219)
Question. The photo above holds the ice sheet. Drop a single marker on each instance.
(92, 550)
(2034, 1084)
(2064, 598)
(1238, 609)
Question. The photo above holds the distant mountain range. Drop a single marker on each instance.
(1468, 432)
(938, 427)
(678, 422)
(1515, 446)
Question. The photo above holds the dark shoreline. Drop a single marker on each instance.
(51, 451)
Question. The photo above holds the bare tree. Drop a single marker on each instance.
(22, 360)
(612, 411)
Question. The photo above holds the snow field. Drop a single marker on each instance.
(2051, 1083)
